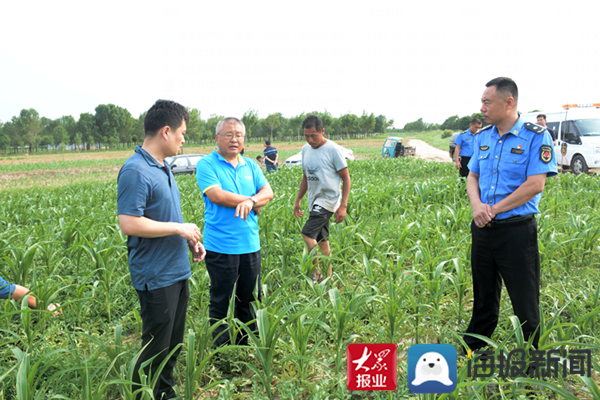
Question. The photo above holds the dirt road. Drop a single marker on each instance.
(428, 152)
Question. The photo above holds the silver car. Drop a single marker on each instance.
(184, 164)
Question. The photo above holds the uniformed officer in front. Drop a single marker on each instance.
(465, 143)
(508, 172)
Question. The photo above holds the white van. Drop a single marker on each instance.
(577, 128)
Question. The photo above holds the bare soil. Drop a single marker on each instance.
(428, 152)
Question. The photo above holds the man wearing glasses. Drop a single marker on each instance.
(234, 190)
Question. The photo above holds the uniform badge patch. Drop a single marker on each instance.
(484, 148)
(546, 154)
(517, 151)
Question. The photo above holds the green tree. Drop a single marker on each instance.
(112, 123)
(349, 123)
(60, 136)
(273, 121)
(4, 139)
(211, 125)
(295, 124)
(29, 126)
(195, 127)
(86, 125)
(70, 125)
(366, 122)
(250, 119)
(451, 123)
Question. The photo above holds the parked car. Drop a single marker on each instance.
(394, 147)
(184, 164)
(453, 145)
(297, 159)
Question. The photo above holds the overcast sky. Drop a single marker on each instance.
(402, 59)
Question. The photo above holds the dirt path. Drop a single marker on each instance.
(428, 152)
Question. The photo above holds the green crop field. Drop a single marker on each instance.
(401, 275)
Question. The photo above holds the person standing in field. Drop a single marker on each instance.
(541, 120)
(324, 167)
(464, 147)
(234, 190)
(150, 214)
(271, 156)
(508, 173)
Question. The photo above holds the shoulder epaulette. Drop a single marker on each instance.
(533, 127)
(485, 128)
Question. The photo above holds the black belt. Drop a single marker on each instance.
(503, 223)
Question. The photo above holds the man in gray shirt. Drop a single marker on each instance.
(324, 166)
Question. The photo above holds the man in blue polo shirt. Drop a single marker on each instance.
(271, 156)
(150, 214)
(234, 190)
(464, 147)
(507, 176)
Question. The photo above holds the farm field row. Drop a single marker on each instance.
(401, 275)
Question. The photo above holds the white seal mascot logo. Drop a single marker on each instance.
(432, 366)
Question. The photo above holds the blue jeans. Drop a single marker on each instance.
(271, 167)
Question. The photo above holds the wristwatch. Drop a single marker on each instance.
(254, 199)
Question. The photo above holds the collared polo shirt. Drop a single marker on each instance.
(504, 163)
(223, 232)
(6, 289)
(148, 189)
(270, 152)
(466, 141)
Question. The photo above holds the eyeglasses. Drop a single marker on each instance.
(230, 136)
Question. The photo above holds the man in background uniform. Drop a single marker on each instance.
(464, 147)
(508, 172)
(541, 120)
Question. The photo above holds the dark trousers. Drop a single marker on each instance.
(511, 254)
(271, 167)
(464, 171)
(225, 270)
(163, 314)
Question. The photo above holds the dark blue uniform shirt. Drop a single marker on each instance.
(148, 189)
(504, 163)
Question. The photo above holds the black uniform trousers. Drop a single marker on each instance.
(225, 270)
(163, 313)
(464, 170)
(507, 253)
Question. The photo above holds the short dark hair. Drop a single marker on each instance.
(542, 115)
(506, 86)
(164, 113)
(259, 157)
(475, 121)
(268, 142)
(312, 121)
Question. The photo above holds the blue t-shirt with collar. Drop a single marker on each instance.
(504, 163)
(6, 289)
(224, 233)
(466, 141)
(147, 188)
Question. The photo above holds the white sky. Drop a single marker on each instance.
(403, 59)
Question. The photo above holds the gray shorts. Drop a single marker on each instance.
(317, 226)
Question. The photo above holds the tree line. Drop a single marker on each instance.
(454, 123)
(111, 126)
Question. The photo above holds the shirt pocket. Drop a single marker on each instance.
(484, 160)
(514, 167)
